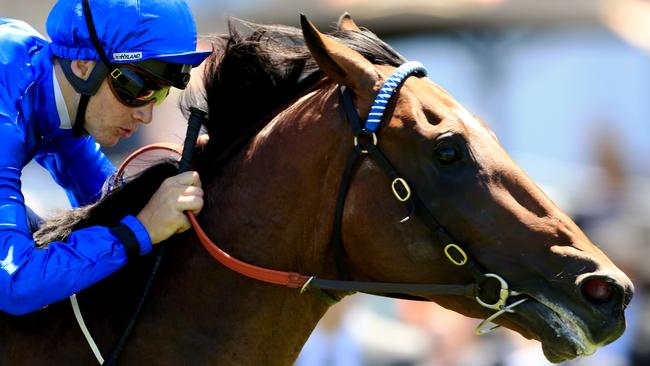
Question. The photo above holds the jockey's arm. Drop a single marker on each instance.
(31, 278)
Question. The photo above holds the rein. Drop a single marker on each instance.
(193, 127)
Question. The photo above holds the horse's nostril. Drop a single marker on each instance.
(597, 290)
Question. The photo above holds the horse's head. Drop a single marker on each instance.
(486, 203)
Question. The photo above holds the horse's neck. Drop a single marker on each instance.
(200, 313)
(278, 196)
(205, 314)
(273, 207)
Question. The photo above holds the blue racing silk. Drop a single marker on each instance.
(31, 128)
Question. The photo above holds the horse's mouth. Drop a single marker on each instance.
(563, 335)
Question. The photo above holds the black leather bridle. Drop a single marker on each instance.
(365, 144)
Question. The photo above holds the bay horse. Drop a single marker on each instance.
(280, 138)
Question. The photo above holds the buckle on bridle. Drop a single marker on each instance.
(366, 133)
(458, 251)
(395, 185)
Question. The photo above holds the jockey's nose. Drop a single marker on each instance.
(143, 114)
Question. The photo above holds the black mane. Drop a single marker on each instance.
(249, 77)
(127, 199)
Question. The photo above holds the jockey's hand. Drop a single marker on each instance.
(163, 216)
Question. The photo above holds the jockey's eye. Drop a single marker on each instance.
(446, 155)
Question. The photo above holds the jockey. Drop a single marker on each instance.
(108, 64)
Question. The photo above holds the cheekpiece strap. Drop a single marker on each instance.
(386, 92)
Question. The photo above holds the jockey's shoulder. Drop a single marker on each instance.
(20, 56)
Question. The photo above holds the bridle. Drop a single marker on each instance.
(415, 206)
(404, 194)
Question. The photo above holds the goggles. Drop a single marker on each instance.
(135, 88)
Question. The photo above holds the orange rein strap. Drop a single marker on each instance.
(288, 279)
(161, 146)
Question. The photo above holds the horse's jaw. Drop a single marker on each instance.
(568, 327)
(562, 333)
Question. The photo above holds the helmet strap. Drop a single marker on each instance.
(78, 129)
(88, 87)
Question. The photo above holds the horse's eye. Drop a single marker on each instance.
(447, 155)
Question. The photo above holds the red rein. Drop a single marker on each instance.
(288, 279)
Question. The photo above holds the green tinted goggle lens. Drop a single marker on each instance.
(135, 89)
(158, 95)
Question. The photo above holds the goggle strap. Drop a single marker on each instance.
(93, 33)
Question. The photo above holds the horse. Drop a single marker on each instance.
(280, 140)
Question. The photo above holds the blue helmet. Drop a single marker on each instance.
(157, 38)
(128, 30)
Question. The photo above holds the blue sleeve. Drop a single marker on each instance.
(79, 166)
(140, 233)
(31, 278)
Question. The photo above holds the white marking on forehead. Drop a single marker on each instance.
(470, 121)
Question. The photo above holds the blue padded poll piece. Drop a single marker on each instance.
(386, 92)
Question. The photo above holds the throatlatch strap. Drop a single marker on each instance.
(350, 110)
(337, 239)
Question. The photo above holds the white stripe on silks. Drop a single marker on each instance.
(84, 329)
(61, 108)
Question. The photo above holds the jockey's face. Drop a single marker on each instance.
(108, 120)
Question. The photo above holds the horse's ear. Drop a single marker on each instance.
(346, 23)
(339, 62)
